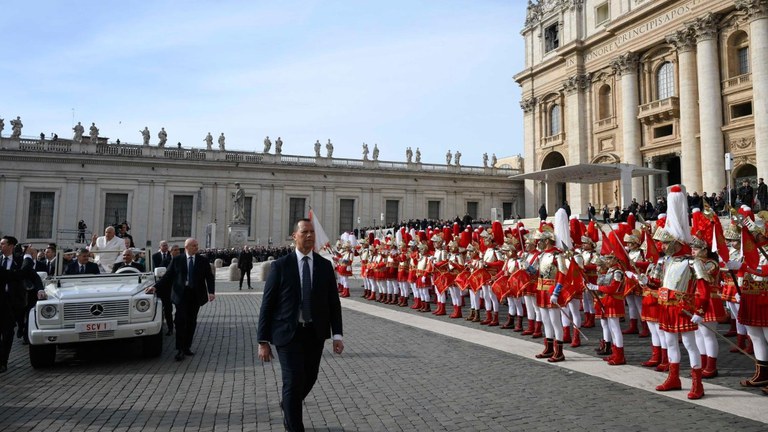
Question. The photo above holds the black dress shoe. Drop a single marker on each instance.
(188, 353)
(179, 355)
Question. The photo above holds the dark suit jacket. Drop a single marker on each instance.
(42, 266)
(21, 274)
(133, 264)
(174, 280)
(279, 316)
(157, 260)
(74, 268)
(245, 260)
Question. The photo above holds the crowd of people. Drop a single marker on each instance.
(662, 276)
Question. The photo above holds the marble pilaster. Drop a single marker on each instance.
(626, 66)
(710, 110)
(578, 141)
(691, 164)
(757, 13)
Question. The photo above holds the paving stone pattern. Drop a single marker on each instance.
(391, 377)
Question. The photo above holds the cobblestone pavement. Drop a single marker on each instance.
(401, 371)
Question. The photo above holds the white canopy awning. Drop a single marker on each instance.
(588, 173)
(593, 173)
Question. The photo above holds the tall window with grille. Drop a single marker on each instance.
(472, 208)
(41, 206)
(554, 120)
(346, 215)
(433, 209)
(296, 211)
(665, 81)
(506, 210)
(182, 216)
(115, 209)
(392, 212)
(742, 54)
(248, 203)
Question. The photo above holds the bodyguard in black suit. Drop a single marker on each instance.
(48, 264)
(82, 265)
(162, 258)
(299, 311)
(191, 284)
(245, 264)
(17, 272)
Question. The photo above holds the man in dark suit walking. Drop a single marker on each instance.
(191, 284)
(19, 271)
(83, 265)
(245, 264)
(162, 258)
(299, 311)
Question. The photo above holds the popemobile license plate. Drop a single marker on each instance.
(95, 326)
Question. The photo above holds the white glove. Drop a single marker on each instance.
(630, 275)
(733, 265)
(697, 319)
(423, 279)
(643, 279)
(553, 299)
(738, 298)
(592, 287)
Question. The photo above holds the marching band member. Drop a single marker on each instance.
(365, 256)
(344, 268)
(682, 301)
(729, 293)
(753, 310)
(588, 260)
(403, 269)
(551, 268)
(610, 306)
(424, 276)
(458, 271)
(634, 292)
(493, 260)
(474, 263)
(706, 271)
(439, 272)
(514, 301)
(393, 290)
(528, 287)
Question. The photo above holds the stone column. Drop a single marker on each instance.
(710, 108)
(532, 201)
(576, 136)
(691, 163)
(757, 13)
(650, 163)
(626, 66)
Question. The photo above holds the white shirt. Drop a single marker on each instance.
(299, 257)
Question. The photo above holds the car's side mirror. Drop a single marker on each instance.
(160, 271)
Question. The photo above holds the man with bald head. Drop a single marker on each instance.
(191, 284)
(107, 249)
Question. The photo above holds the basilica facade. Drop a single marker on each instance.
(677, 85)
(48, 186)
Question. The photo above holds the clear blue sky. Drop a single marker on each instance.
(434, 74)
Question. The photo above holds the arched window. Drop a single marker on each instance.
(738, 54)
(554, 120)
(665, 81)
(605, 109)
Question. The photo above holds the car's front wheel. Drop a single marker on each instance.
(42, 356)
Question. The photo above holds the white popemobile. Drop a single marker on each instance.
(83, 308)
